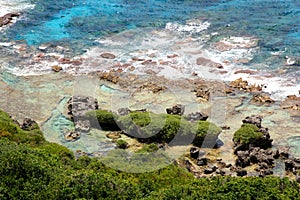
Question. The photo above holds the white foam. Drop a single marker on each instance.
(13, 6)
(189, 27)
(9, 6)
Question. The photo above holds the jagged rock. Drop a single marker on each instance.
(221, 172)
(262, 98)
(153, 87)
(282, 151)
(202, 93)
(111, 76)
(241, 172)
(108, 55)
(28, 124)
(196, 116)
(228, 165)
(292, 104)
(289, 165)
(72, 135)
(202, 161)
(82, 125)
(178, 109)
(56, 68)
(298, 178)
(124, 111)
(266, 172)
(188, 165)
(210, 170)
(8, 18)
(243, 159)
(113, 135)
(79, 105)
(253, 119)
(243, 85)
(196, 152)
(225, 127)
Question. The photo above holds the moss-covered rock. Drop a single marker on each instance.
(33, 135)
(249, 135)
(103, 118)
(150, 127)
(122, 144)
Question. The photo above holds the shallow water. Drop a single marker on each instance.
(148, 30)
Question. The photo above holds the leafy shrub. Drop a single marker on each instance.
(248, 133)
(106, 119)
(150, 127)
(10, 130)
(122, 144)
(148, 148)
(206, 130)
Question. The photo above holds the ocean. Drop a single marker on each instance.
(80, 25)
(241, 35)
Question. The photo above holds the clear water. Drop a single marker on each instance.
(78, 24)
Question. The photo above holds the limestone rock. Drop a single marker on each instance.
(56, 68)
(196, 116)
(8, 18)
(262, 98)
(108, 55)
(178, 109)
(72, 136)
(253, 119)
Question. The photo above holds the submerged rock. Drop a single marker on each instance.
(108, 55)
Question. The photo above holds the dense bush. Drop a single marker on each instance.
(122, 144)
(9, 129)
(150, 127)
(41, 172)
(248, 133)
(106, 119)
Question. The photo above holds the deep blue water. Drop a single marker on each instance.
(78, 23)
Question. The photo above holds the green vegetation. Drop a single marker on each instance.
(12, 131)
(43, 170)
(106, 119)
(148, 148)
(150, 127)
(248, 133)
(122, 144)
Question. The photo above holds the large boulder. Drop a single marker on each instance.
(252, 134)
(78, 106)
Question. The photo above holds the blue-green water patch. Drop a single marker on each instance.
(107, 89)
(294, 144)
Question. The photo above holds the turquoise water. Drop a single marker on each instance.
(77, 24)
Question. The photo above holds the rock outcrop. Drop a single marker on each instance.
(78, 106)
(196, 116)
(178, 109)
(8, 18)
